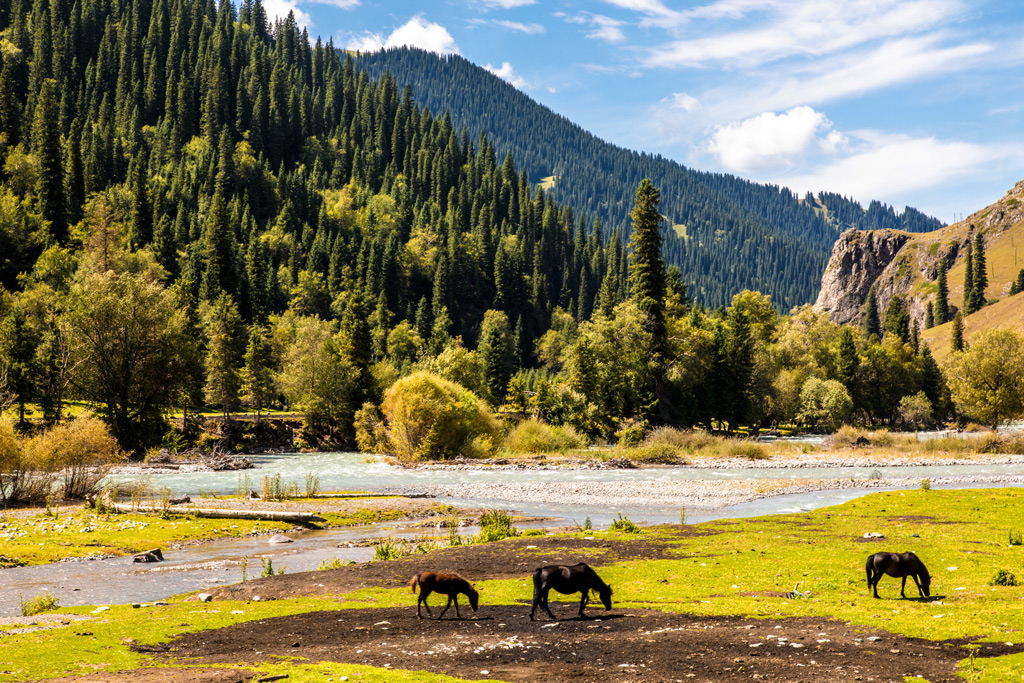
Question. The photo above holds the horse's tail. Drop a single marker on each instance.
(414, 582)
(538, 580)
(867, 568)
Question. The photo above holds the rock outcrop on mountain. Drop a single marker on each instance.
(905, 264)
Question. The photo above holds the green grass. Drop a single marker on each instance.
(732, 567)
(43, 539)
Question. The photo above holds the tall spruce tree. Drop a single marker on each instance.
(47, 148)
(979, 278)
(872, 324)
(968, 278)
(646, 265)
(957, 333)
(942, 296)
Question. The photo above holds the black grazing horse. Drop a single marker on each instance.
(446, 584)
(577, 578)
(900, 565)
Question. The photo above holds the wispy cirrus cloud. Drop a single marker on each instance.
(532, 28)
(507, 4)
(600, 27)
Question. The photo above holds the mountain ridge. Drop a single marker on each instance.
(738, 234)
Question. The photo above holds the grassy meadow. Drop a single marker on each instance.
(729, 567)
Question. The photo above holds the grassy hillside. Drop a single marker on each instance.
(1007, 314)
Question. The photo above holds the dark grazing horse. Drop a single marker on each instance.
(577, 578)
(446, 584)
(900, 565)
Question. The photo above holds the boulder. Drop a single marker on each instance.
(153, 555)
(279, 538)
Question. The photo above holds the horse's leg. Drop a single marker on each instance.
(583, 600)
(536, 593)
(455, 597)
(919, 590)
(422, 600)
(545, 594)
(445, 608)
(903, 587)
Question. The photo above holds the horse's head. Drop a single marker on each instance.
(925, 580)
(606, 596)
(474, 597)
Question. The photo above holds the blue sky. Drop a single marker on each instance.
(915, 102)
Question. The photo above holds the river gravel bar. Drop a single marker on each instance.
(686, 493)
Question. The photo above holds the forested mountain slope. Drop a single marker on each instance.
(731, 234)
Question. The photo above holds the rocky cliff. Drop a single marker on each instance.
(907, 264)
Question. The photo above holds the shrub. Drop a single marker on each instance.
(1016, 538)
(926, 484)
(655, 453)
(535, 436)
(333, 563)
(19, 480)
(1003, 578)
(496, 525)
(745, 449)
(39, 604)
(625, 525)
(534, 532)
(430, 418)
(690, 441)
(268, 568)
(79, 452)
(631, 432)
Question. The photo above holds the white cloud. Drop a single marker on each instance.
(681, 100)
(508, 4)
(507, 73)
(417, 32)
(890, 166)
(519, 26)
(340, 4)
(602, 27)
(769, 140)
(279, 9)
(809, 28)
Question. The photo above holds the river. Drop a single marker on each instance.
(117, 580)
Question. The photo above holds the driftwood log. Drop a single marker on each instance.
(219, 513)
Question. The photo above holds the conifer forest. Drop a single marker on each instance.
(203, 209)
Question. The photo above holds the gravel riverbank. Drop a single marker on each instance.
(695, 494)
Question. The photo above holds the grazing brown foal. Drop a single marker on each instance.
(446, 584)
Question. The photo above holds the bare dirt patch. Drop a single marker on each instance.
(622, 645)
(516, 557)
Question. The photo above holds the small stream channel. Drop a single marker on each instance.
(118, 580)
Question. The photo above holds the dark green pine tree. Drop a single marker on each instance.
(968, 278)
(957, 334)
(897, 319)
(646, 266)
(47, 148)
(979, 278)
(929, 318)
(495, 349)
(217, 251)
(1017, 286)
(10, 111)
(74, 174)
(357, 344)
(18, 353)
(942, 297)
(140, 230)
(848, 364)
(933, 383)
(872, 323)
